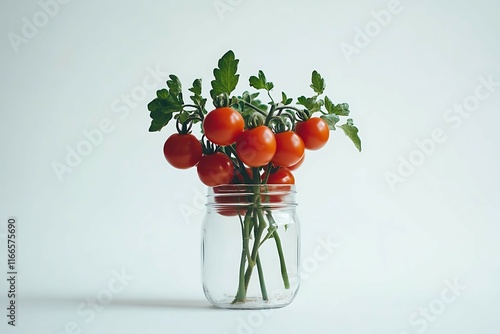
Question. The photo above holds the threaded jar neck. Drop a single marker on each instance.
(245, 195)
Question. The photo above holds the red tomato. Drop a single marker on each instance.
(289, 149)
(229, 202)
(314, 132)
(281, 176)
(182, 150)
(298, 164)
(215, 169)
(223, 125)
(256, 147)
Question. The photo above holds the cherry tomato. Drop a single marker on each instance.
(289, 149)
(256, 147)
(230, 203)
(223, 125)
(314, 132)
(298, 164)
(215, 169)
(182, 150)
(281, 176)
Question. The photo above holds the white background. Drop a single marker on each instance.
(120, 209)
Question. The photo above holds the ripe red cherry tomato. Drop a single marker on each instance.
(256, 147)
(182, 150)
(215, 169)
(298, 164)
(289, 149)
(314, 132)
(230, 203)
(281, 176)
(223, 125)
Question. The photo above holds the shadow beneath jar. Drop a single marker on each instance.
(191, 304)
(117, 302)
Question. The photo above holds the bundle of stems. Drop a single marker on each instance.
(257, 219)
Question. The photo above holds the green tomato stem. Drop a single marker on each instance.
(251, 106)
(261, 279)
(284, 273)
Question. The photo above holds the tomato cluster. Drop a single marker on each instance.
(233, 152)
(245, 140)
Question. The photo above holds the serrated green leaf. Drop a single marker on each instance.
(259, 104)
(341, 109)
(158, 123)
(256, 83)
(285, 99)
(197, 98)
(318, 83)
(170, 104)
(225, 75)
(162, 93)
(196, 89)
(352, 132)
(254, 95)
(331, 120)
(260, 82)
(174, 85)
(162, 109)
(311, 103)
(329, 106)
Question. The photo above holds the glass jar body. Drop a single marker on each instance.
(251, 246)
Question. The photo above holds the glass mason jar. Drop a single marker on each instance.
(250, 246)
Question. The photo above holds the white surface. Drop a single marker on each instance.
(120, 208)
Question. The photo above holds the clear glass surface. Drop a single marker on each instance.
(250, 246)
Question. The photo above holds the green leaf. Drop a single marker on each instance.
(196, 89)
(226, 78)
(285, 99)
(331, 120)
(170, 104)
(341, 109)
(162, 94)
(260, 82)
(174, 85)
(196, 97)
(311, 103)
(318, 83)
(250, 99)
(162, 109)
(158, 123)
(352, 132)
(182, 116)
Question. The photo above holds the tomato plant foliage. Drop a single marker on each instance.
(249, 132)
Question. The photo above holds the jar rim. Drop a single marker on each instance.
(267, 195)
(247, 187)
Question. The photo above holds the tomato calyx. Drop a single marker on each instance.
(222, 101)
(183, 128)
(303, 115)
